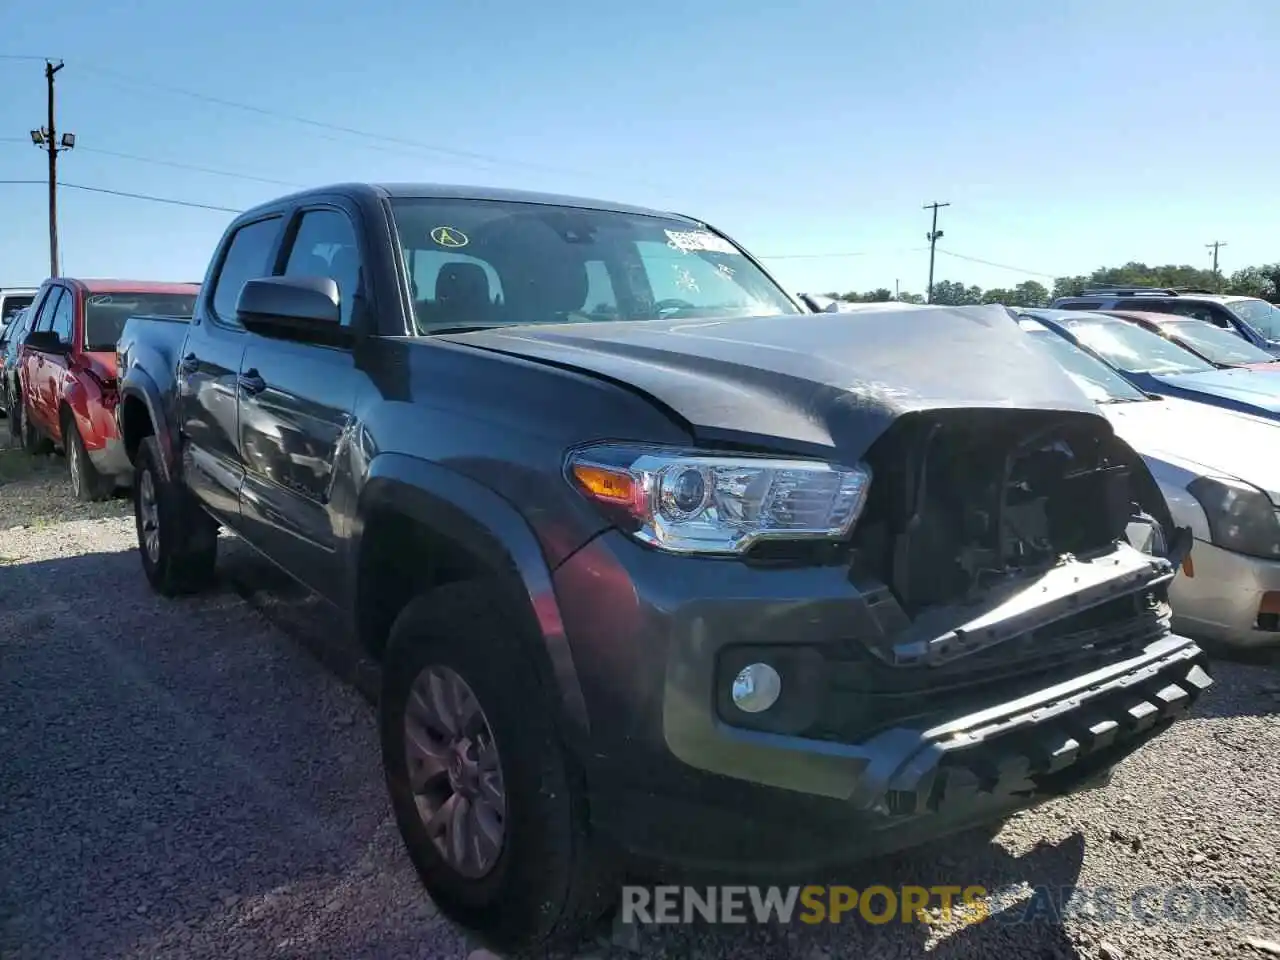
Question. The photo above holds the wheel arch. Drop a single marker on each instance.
(460, 529)
(141, 415)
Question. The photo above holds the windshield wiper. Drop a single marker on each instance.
(1124, 400)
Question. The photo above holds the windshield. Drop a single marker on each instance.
(11, 306)
(105, 314)
(1099, 382)
(1134, 350)
(487, 263)
(1259, 314)
(1220, 346)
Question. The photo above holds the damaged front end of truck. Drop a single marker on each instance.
(990, 627)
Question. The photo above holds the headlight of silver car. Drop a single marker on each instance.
(695, 503)
(1241, 517)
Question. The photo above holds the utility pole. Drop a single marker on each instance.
(933, 236)
(1214, 247)
(47, 139)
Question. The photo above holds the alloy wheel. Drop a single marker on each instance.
(73, 465)
(149, 516)
(455, 771)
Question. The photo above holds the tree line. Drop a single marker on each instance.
(1262, 281)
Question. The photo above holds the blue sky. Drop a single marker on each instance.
(1066, 135)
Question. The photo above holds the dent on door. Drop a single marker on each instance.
(295, 421)
(207, 372)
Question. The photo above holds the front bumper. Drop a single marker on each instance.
(1225, 597)
(671, 781)
(111, 460)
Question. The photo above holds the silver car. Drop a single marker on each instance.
(1220, 475)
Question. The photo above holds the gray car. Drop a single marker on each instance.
(11, 338)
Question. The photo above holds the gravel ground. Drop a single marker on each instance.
(200, 778)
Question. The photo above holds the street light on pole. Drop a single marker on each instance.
(47, 138)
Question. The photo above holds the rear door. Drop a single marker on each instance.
(295, 409)
(210, 363)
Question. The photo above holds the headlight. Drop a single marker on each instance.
(688, 502)
(1241, 518)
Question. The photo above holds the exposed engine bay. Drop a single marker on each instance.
(966, 500)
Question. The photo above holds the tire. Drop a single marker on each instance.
(549, 882)
(15, 420)
(32, 442)
(181, 557)
(87, 484)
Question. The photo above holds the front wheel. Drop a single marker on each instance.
(489, 805)
(87, 484)
(32, 442)
(178, 541)
(15, 420)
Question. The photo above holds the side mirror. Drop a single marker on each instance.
(293, 308)
(45, 341)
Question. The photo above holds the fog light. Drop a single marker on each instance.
(756, 688)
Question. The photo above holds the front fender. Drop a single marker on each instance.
(138, 385)
(473, 516)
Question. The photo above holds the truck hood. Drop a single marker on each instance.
(1195, 435)
(1258, 388)
(814, 382)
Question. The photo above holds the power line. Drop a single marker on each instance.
(24, 58)
(173, 201)
(837, 256)
(188, 166)
(1002, 266)
(131, 196)
(177, 165)
(470, 155)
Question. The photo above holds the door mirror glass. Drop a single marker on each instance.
(293, 308)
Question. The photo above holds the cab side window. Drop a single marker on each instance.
(248, 257)
(64, 317)
(325, 245)
(44, 319)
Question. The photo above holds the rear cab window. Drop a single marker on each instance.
(105, 314)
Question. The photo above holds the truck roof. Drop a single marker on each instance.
(442, 191)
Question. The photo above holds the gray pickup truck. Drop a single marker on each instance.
(662, 568)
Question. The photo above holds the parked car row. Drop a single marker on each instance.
(1218, 469)
(59, 372)
(665, 565)
(1250, 318)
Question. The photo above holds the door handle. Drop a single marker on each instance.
(190, 363)
(251, 382)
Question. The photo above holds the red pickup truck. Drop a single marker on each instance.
(67, 371)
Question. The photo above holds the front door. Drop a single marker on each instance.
(54, 370)
(36, 365)
(295, 413)
(208, 367)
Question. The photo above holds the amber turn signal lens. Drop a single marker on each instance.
(610, 486)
